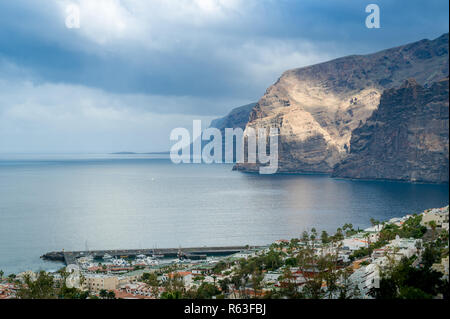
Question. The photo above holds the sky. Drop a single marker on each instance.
(136, 69)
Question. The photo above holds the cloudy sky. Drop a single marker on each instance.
(136, 69)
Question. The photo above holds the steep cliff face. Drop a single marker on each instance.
(405, 139)
(316, 108)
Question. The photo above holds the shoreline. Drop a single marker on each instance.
(354, 254)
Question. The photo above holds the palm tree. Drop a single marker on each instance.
(43, 287)
(433, 226)
(367, 237)
(313, 234)
(418, 246)
(103, 293)
(1, 274)
(305, 236)
(224, 285)
(257, 278)
(11, 277)
(325, 238)
(111, 295)
(82, 280)
(237, 281)
(64, 274)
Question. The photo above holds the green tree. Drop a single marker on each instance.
(103, 293)
(291, 262)
(339, 235)
(151, 279)
(207, 291)
(111, 295)
(374, 222)
(41, 288)
(430, 256)
(236, 280)
(72, 293)
(11, 277)
(324, 237)
(433, 226)
(404, 281)
(224, 285)
(313, 235)
(346, 288)
(174, 287)
(256, 281)
(305, 236)
(219, 267)
(413, 293)
(289, 288)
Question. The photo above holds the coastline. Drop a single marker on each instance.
(348, 245)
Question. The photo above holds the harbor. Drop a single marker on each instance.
(70, 257)
(284, 269)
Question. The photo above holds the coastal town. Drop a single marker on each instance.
(384, 261)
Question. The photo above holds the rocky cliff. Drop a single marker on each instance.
(317, 108)
(406, 138)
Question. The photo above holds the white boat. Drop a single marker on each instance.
(150, 261)
(107, 256)
(119, 262)
(85, 259)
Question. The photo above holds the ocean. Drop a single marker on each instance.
(78, 202)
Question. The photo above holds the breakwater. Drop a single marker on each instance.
(69, 257)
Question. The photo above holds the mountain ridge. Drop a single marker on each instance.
(316, 108)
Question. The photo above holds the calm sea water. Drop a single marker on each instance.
(115, 201)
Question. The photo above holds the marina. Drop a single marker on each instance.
(193, 253)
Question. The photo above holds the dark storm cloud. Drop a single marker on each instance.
(133, 60)
(34, 36)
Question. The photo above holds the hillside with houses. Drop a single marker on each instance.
(404, 257)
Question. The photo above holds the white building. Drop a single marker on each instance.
(354, 243)
(366, 278)
(271, 277)
(438, 215)
(404, 247)
(186, 276)
(442, 267)
(374, 229)
(245, 254)
(97, 282)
